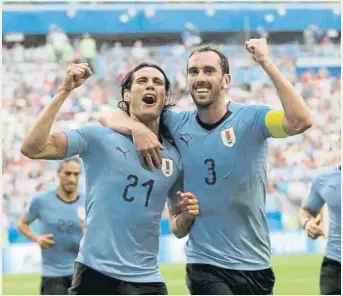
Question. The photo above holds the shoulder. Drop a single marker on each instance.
(326, 175)
(94, 130)
(248, 109)
(179, 115)
(41, 197)
(98, 133)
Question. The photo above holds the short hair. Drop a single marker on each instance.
(127, 83)
(74, 159)
(224, 61)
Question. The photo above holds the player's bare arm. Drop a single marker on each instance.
(297, 117)
(183, 215)
(310, 222)
(148, 144)
(40, 143)
(44, 240)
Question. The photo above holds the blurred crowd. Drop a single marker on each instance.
(31, 77)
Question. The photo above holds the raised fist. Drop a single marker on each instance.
(77, 74)
(258, 48)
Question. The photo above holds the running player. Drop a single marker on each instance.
(124, 201)
(224, 149)
(59, 212)
(326, 188)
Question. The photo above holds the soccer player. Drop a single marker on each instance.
(326, 188)
(59, 212)
(224, 149)
(124, 201)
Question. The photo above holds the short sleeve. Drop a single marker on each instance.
(259, 124)
(78, 141)
(171, 119)
(178, 186)
(314, 201)
(33, 210)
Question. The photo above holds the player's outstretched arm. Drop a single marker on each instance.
(310, 223)
(297, 117)
(183, 215)
(44, 240)
(39, 142)
(148, 144)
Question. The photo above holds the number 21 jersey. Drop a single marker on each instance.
(124, 203)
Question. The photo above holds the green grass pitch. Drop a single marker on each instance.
(296, 274)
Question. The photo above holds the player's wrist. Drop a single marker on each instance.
(64, 89)
(188, 217)
(265, 61)
(137, 127)
(306, 222)
(35, 238)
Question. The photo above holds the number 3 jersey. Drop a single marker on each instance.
(225, 167)
(124, 203)
(60, 218)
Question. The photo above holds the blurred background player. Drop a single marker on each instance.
(224, 149)
(61, 217)
(326, 189)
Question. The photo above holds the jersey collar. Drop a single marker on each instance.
(214, 125)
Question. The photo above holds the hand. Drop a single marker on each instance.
(188, 204)
(313, 229)
(258, 49)
(148, 146)
(45, 240)
(76, 75)
(83, 225)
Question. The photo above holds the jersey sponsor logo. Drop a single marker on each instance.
(228, 137)
(122, 151)
(167, 167)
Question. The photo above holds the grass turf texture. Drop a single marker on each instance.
(296, 274)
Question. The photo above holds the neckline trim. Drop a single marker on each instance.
(213, 125)
(68, 202)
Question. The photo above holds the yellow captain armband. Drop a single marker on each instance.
(273, 120)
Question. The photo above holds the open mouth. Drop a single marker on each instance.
(149, 99)
(202, 90)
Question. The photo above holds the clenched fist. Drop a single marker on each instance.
(189, 204)
(258, 48)
(77, 74)
(313, 228)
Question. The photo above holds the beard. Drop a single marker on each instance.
(203, 103)
(69, 190)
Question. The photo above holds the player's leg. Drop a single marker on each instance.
(330, 277)
(87, 281)
(130, 288)
(54, 286)
(204, 279)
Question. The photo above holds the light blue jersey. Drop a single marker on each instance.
(326, 188)
(60, 218)
(124, 203)
(225, 167)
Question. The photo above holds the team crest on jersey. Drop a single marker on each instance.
(228, 137)
(167, 167)
(81, 212)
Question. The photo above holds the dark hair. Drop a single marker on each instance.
(224, 62)
(74, 159)
(127, 83)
